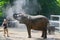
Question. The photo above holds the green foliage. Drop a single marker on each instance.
(58, 2)
(2, 4)
(1, 14)
(49, 7)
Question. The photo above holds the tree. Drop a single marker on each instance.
(49, 7)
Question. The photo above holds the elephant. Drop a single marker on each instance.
(38, 22)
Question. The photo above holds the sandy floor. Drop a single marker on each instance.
(21, 34)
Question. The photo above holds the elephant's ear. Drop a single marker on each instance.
(28, 16)
(25, 15)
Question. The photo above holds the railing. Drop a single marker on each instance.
(55, 20)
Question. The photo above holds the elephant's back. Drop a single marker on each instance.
(39, 23)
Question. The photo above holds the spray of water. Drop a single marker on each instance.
(9, 13)
(18, 4)
(26, 6)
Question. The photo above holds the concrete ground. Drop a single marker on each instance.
(21, 34)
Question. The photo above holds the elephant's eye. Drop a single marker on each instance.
(14, 15)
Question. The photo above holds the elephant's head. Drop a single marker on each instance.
(22, 18)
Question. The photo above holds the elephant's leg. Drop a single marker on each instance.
(49, 31)
(42, 34)
(29, 32)
(45, 33)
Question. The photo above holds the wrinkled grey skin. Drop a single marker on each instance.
(33, 22)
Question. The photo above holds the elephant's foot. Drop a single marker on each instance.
(42, 36)
(29, 37)
(45, 37)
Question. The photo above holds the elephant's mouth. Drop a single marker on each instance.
(21, 22)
